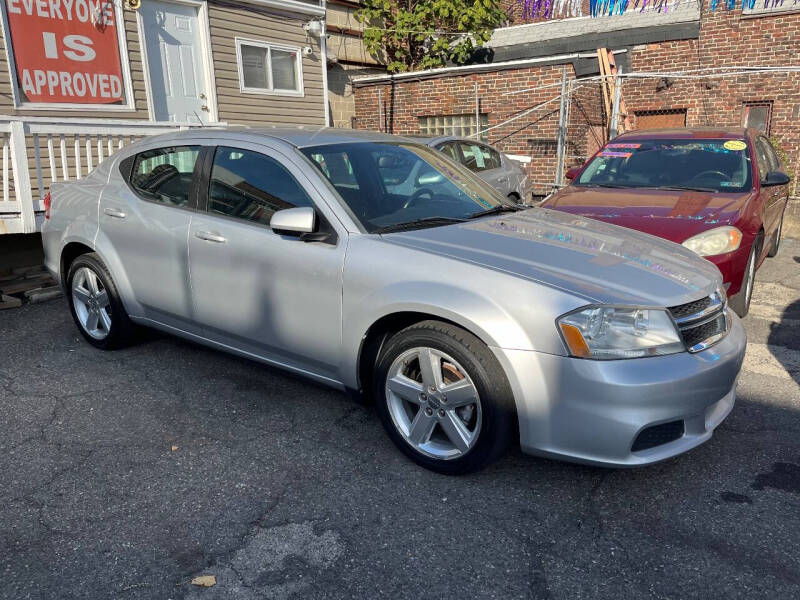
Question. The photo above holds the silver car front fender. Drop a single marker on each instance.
(476, 313)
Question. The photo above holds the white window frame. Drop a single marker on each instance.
(129, 106)
(269, 46)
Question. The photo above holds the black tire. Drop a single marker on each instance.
(498, 422)
(122, 330)
(740, 303)
(776, 240)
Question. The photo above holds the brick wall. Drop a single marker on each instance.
(727, 39)
(532, 135)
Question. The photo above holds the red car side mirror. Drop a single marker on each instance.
(572, 173)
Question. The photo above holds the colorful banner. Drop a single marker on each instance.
(551, 9)
(66, 51)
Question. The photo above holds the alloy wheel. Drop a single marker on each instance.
(92, 307)
(433, 403)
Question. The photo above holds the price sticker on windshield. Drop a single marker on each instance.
(734, 145)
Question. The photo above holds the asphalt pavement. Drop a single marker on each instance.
(127, 474)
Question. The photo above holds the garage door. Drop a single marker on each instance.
(658, 119)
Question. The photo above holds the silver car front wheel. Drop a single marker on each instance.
(443, 397)
(433, 403)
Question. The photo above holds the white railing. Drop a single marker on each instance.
(62, 150)
(7, 204)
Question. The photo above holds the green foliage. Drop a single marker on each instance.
(403, 33)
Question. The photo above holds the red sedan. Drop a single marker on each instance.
(721, 193)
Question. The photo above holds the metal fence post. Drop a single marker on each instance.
(562, 129)
(380, 110)
(477, 112)
(615, 108)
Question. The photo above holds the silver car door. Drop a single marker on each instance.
(263, 293)
(144, 223)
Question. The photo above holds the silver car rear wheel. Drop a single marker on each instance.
(433, 403)
(91, 302)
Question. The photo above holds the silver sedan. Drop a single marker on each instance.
(373, 264)
(495, 168)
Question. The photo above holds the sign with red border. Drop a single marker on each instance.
(66, 51)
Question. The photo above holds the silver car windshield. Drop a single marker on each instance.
(392, 186)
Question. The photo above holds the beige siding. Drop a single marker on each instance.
(235, 107)
(137, 79)
(340, 91)
(346, 46)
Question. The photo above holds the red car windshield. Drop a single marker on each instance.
(709, 165)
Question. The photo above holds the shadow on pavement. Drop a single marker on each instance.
(784, 340)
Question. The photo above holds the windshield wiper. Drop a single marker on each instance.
(681, 187)
(605, 185)
(419, 224)
(500, 208)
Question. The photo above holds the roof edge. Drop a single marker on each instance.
(466, 69)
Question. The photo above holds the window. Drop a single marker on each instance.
(714, 164)
(757, 115)
(388, 184)
(774, 160)
(251, 186)
(762, 158)
(766, 157)
(165, 175)
(451, 150)
(337, 168)
(477, 157)
(462, 125)
(659, 119)
(269, 68)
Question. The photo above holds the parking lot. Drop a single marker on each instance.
(127, 474)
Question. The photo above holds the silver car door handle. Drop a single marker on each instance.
(113, 212)
(209, 237)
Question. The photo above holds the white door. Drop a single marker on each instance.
(178, 82)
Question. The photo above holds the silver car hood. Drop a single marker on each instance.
(598, 261)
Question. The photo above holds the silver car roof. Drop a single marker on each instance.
(299, 136)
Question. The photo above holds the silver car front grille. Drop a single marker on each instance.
(702, 322)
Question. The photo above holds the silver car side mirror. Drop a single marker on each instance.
(298, 220)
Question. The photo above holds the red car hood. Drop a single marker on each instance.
(672, 215)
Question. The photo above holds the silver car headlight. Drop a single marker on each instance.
(719, 240)
(611, 332)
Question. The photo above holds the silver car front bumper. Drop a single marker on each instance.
(593, 411)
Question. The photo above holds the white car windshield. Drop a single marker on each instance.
(394, 186)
